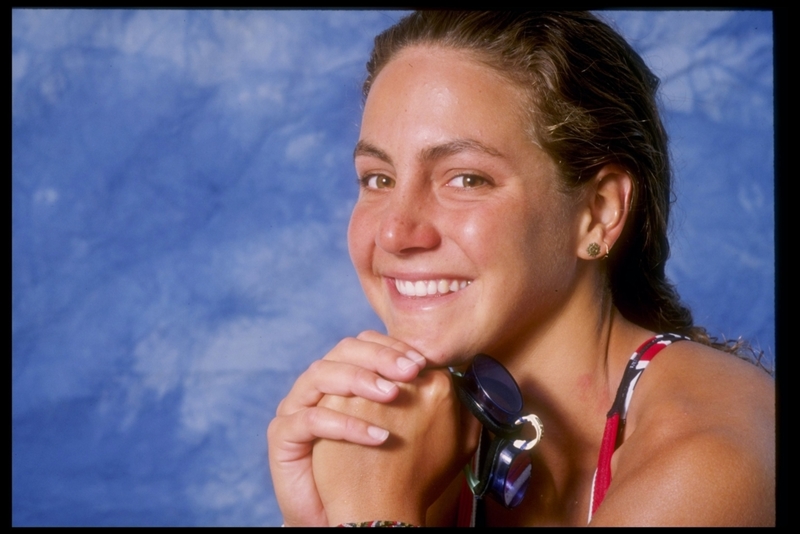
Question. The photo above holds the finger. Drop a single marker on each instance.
(293, 480)
(376, 337)
(392, 359)
(291, 437)
(290, 440)
(355, 367)
(325, 377)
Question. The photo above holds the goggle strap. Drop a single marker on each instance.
(472, 481)
(477, 484)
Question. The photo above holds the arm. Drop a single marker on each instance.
(368, 367)
(702, 481)
(700, 447)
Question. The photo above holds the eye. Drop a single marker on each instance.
(467, 181)
(377, 181)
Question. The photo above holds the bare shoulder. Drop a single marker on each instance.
(698, 387)
(699, 446)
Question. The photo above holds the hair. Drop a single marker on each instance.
(591, 102)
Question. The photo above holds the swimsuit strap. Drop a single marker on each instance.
(615, 422)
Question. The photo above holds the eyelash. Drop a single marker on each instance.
(482, 181)
(365, 181)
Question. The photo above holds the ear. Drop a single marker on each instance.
(606, 206)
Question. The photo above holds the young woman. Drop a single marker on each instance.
(514, 201)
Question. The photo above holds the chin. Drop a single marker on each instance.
(439, 351)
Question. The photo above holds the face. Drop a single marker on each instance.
(462, 241)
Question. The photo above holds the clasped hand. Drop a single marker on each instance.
(366, 434)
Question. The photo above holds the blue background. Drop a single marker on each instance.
(181, 186)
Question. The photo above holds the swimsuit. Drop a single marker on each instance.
(469, 506)
(615, 423)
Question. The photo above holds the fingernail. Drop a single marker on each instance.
(385, 385)
(404, 363)
(377, 433)
(418, 358)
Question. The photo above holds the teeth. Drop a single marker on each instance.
(424, 288)
(432, 287)
(420, 289)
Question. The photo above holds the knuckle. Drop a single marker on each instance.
(347, 342)
(316, 368)
(438, 384)
(273, 430)
(342, 347)
(281, 408)
(399, 346)
(441, 379)
(367, 334)
(329, 401)
(387, 353)
(364, 375)
(352, 426)
(310, 417)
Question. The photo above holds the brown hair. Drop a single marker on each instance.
(592, 102)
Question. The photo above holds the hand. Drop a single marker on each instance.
(430, 441)
(366, 367)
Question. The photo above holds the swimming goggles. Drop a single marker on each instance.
(493, 397)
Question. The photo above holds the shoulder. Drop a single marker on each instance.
(696, 387)
(700, 441)
(712, 387)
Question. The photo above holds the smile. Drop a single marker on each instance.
(424, 288)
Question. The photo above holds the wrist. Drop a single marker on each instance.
(404, 515)
(373, 524)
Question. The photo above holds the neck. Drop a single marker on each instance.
(569, 371)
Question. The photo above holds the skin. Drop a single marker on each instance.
(454, 189)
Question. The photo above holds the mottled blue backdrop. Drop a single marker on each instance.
(181, 186)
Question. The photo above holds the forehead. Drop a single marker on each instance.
(437, 90)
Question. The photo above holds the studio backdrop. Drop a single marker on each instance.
(181, 187)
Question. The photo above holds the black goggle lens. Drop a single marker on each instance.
(495, 389)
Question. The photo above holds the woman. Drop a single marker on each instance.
(514, 201)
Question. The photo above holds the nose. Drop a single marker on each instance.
(407, 225)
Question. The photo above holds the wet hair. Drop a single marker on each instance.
(591, 102)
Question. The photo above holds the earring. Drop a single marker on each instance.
(607, 250)
(593, 249)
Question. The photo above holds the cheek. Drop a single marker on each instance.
(499, 235)
(359, 239)
(529, 246)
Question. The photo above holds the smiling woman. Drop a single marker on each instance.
(499, 155)
(182, 184)
(467, 189)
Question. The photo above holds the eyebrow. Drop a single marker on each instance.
(366, 149)
(429, 154)
(454, 147)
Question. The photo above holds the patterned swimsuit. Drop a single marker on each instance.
(615, 422)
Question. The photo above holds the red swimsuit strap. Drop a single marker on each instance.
(615, 423)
